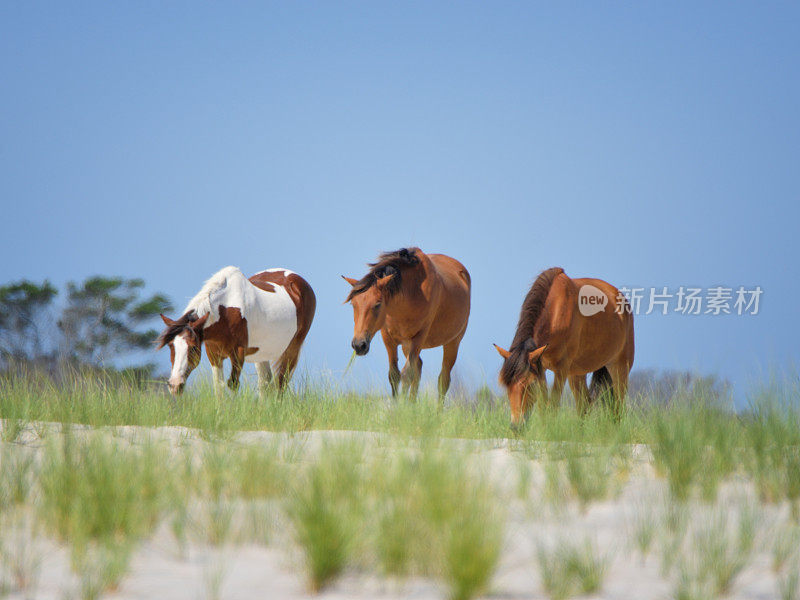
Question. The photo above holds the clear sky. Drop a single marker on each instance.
(648, 144)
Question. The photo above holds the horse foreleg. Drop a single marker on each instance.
(577, 383)
(554, 398)
(264, 373)
(237, 361)
(412, 371)
(449, 355)
(217, 375)
(394, 371)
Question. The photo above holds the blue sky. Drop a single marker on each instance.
(646, 144)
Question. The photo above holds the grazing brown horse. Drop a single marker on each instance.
(572, 327)
(417, 301)
(263, 319)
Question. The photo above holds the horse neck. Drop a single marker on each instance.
(209, 302)
(410, 295)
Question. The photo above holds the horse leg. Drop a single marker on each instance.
(237, 361)
(619, 378)
(554, 398)
(405, 373)
(391, 352)
(264, 373)
(449, 355)
(577, 383)
(217, 375)
(286, 366)
(413, 368)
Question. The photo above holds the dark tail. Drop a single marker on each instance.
(601, 384)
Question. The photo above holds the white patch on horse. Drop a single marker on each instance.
(207, 299)
(271, 316)
(271, 323)
(286, 272)
(181, 363)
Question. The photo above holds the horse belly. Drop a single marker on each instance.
(272, 325)
(601, 340)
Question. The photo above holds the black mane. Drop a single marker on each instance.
(172, 331)
(516, 365)
(388, 263)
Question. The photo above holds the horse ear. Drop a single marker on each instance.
(535, 356)
(167, 321)
(502, 351)
(200, 322)
(384, 281)
(350, 280)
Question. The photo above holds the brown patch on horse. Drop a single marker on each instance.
(229, 331)
(517, 363)
(389, 264)
(264, 281)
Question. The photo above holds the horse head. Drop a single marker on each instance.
(185, 339)
(369, 310)
(522, 369)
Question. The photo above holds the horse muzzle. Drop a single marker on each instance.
(176, 389)
(360, 345)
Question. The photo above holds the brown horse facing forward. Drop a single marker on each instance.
(572, 327)
(417, 301)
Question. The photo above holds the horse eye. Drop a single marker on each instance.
(377, 306)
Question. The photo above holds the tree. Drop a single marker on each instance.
(25, 315)
(103, 318)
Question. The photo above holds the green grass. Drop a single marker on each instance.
(694, 446)
(721, 556)
(569, 569)
(413, 500)
(789, 583)
(90, 402)
(102, 498)
(785, 545)
(643, 530)
(325, 509)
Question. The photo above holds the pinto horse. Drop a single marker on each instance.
(417, 301)
(263, 319)
(572, 327)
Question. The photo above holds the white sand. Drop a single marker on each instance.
(250, 572)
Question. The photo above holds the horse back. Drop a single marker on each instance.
(454, 275)
(581, 334)
(452, 312)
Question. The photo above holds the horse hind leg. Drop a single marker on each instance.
(412, 371)
(286, 365)
(449, 356)
(619, 376)
(411, 375)
(601, 386)
(264, 372)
